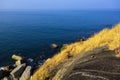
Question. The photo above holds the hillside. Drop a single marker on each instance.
(98, 64)
(106, 37)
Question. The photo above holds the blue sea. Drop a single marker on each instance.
(31, 33)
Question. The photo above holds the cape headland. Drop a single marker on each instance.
(95, 58)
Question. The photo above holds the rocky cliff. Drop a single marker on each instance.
(97, 58)
(85, 60)
(98, 64)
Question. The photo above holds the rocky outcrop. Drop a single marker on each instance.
(98, 64)
(54, 46)
(21, 70)
(17, 72)
(26, 74)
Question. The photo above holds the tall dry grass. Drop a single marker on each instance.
(110, 37)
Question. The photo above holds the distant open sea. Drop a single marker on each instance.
(30, 33)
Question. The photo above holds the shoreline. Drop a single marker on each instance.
(109, 37)
(56, 65)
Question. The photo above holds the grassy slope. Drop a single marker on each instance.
(110, 37)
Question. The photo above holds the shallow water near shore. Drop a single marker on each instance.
(30, 33)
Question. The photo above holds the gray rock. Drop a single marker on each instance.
(26, 74)
(99, 64)
(17, 72)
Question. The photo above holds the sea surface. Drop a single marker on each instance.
(31, 33)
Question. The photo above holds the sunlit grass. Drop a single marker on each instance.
(110, 37)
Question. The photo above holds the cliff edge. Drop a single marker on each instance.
(96, 58)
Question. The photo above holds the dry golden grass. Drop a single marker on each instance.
(110, 37)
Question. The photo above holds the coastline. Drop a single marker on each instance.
(58, 67)
(109, 37)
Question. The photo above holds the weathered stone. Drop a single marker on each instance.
(17, 63)
(103, 65)
(26, 74)
(17, 72)
(54, 46)
(6, 68)
(15, 57)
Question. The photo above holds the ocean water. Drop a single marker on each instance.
(30, 33)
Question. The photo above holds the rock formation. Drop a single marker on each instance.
(21, 70)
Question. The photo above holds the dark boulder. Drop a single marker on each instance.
(4, 73)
